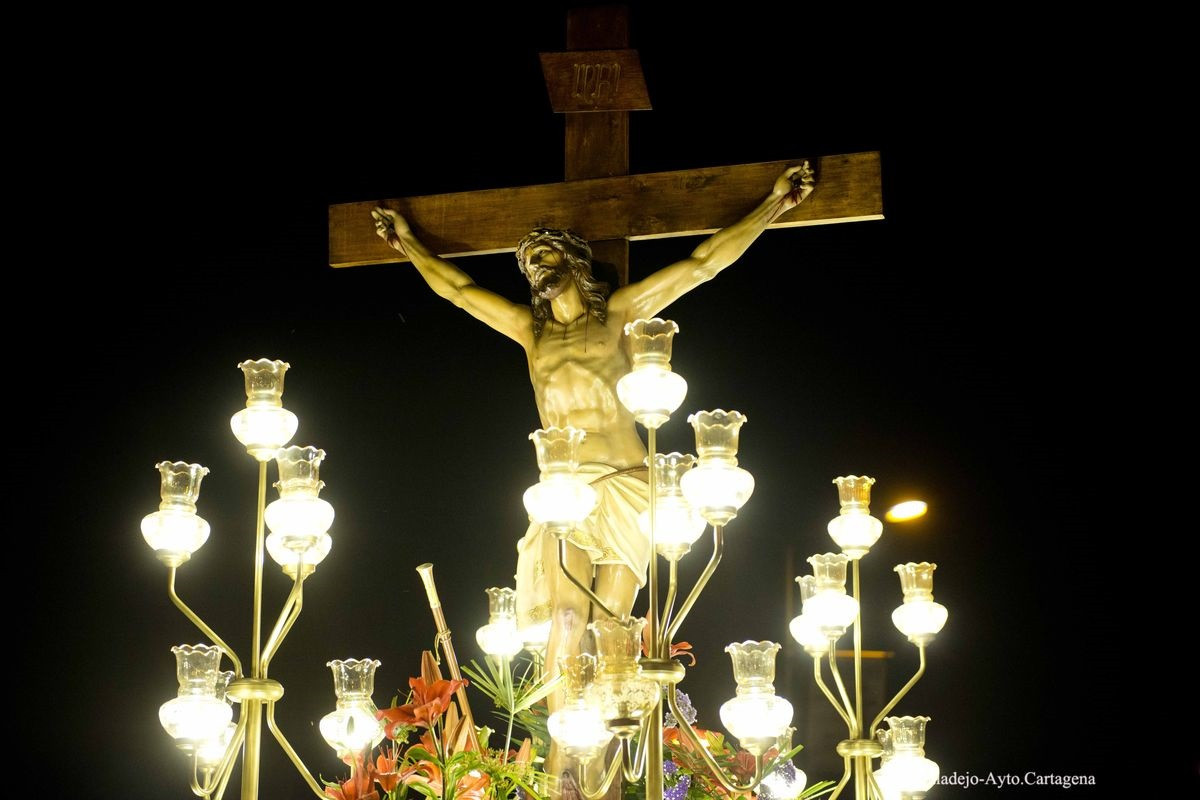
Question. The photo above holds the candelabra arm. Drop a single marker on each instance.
(900, 695)
(199, 623)
(587, 590)
(829, 695)
(875, 790)
(216, 779)
(256, 628)
(287, 617)
(197, 788)
(668, 609)
(633, 765)
(858, 701)
(229, 771)
(837, 679)
(291, 753)
(730, 785)
(595, 794)
(652, 619)
(701, 582)
(837, 790)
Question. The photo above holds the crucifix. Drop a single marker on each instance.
(571, 332)
(595, 85)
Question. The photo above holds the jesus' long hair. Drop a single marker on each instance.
(577, 254)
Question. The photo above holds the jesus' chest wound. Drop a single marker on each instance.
(574, 371)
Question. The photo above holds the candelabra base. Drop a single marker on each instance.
(623, 727)
(859, 748)
(261, 689)
(663, 671)
(172, 559)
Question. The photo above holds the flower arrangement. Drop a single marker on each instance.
(687, 777)
(443, 762)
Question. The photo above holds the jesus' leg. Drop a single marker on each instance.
(569, 619)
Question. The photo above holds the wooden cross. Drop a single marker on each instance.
(596, 84)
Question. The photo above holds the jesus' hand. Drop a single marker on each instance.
(388, 226)
(794, 186)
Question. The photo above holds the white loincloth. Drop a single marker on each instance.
(610, 535)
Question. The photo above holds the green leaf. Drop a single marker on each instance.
(816, 790)
(528, 700)
(425, 790)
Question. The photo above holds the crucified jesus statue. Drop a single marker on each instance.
(572, 337)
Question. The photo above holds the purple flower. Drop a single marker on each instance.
(780, 784)
(685, 707)
(675, 783)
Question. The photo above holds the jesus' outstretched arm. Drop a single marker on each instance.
(648, 297)
(448, 281)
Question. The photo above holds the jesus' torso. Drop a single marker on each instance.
(574, 369)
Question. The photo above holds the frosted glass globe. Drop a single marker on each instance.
(559, 501)
(500, 639)
(195, 717)
(756, 716)
(264, 429)
(920, 620)
(717, 490)
(651, 393)
(580, 730)
(175, 531)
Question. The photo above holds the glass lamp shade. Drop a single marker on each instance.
(907, 775)
(756, 716)
(559, 499)
(620, 691)
(717, 487)
(754, 719)
(717, 491)
(907, 771)
(299, 519)
(888, 781)
(920, 619)
(197, 713)
(194, 718)
(264, 425)
(579, 729)
(264, 430)
(535, 637)
(854, 529)
(804, 628)
(210, 751)
(352, 727)
(651, 391)
(829, 606)
(499, 637)
(623, 696)
(284, 553)
(175, 531)
(809, 635)
(832, 612)
(676, 524)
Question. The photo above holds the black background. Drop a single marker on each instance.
(930, 350)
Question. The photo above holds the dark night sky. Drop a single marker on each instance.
(924, 350)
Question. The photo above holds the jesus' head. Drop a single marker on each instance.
(552, 261)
